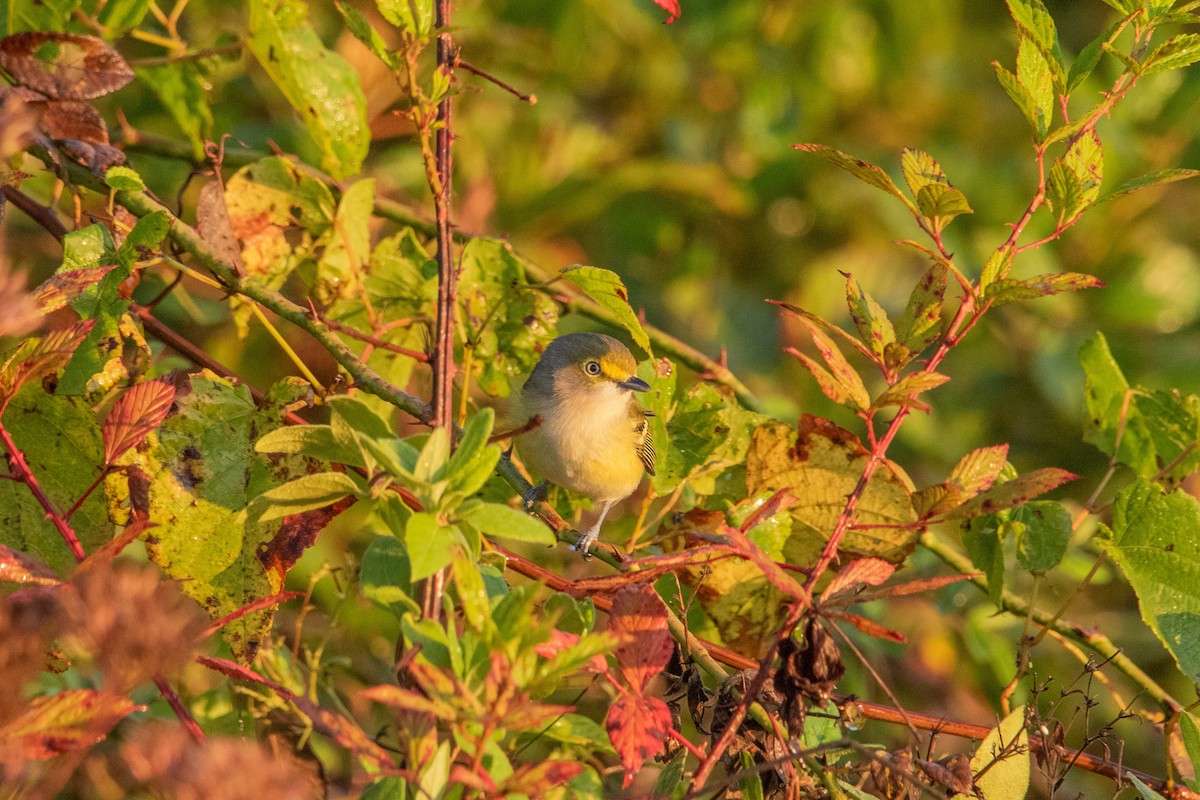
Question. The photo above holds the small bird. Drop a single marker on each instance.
(594, 437)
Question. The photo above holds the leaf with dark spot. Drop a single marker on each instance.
(64, 66)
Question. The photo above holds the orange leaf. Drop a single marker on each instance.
(70, 720)
(639, 618)
(137, 412)
(48, 355)
(637, 727)
(864, 571)
(347, 733)
(1013, 493)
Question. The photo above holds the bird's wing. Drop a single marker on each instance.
(645, 443)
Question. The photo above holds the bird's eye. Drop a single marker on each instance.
(592, 368)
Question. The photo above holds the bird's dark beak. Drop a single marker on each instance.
(635, 383)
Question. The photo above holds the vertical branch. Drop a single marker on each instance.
(443, 361)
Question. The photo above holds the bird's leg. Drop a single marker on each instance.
(535, 495)
(589, 537)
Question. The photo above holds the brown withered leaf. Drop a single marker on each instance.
(18, 120)
(212, 221)
(74, 119)
(297, 533)
(141, 409)
(893, 775)
(64, 66)
(71, 720)
(954, 774)
(639, 617)
(637, 727)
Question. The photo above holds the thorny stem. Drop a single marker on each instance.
(443, 363)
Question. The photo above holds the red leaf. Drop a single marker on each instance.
(70, 720)
(1013, 493)
(637, 727)
(16, 567)
(912, 587)
(137, 412)
(533, 780)
(671, 7)
(51, 352)
(639, 617)
(63, 287)
(864, 571)
(561, 640)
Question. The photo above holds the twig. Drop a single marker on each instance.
(487, 76)
(443, 361)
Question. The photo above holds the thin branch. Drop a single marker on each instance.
(447, 300)
(487, 76)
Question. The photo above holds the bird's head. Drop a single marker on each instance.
(587, 361)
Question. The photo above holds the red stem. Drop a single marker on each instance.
(20, 470)
(443, 363)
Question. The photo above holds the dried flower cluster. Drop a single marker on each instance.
(135, 623)
(171, 763)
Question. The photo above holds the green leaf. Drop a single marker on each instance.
(1156, 429)
(1178, 51)
(124, 179)
(985, 547)
(61, 441)
(749, 782)
(921, 322)
(434, 455)
(147, 234)
(503, 522)
(475, 460)
(1033, 19)
(874, 327)
(119, 17)
(507, 323)
(1010, 290)
(863, 170)
(1156, 543)
(1043, 535)
(204, 472)
(1008, 777)
(343, 264)
(1035, 75)
(1153, 179)
(315, 441)
(385, 577)
(606, 288)
(1074, 180)
(414, 17)
(386, 789)
(362, 29)
(1021, 97)
(183, 88)
(430, 545)
(320, 85)
(906, 390)
(1086, 61)
(1144, 791)
(998, 265)
(941, 203)
(303, 494)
